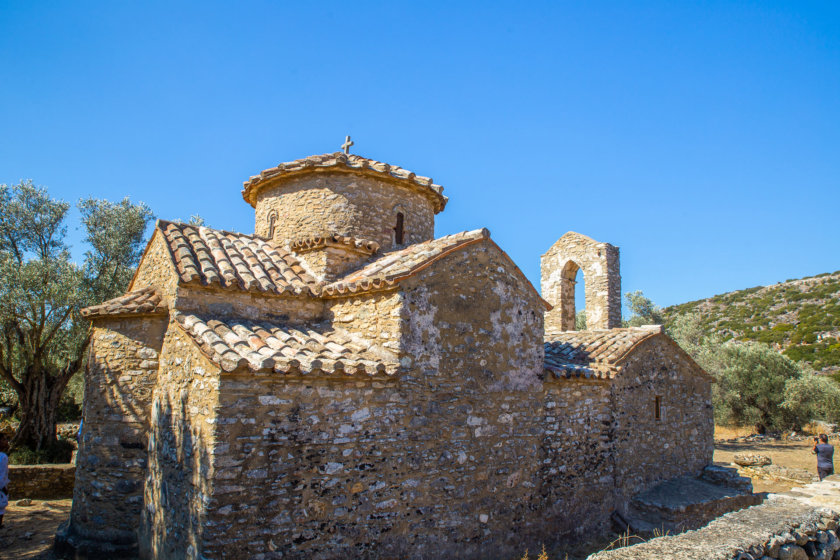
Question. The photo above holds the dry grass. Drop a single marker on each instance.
(543, 555)
(729, 432)
(813, 429)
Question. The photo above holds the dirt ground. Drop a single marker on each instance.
(28, 531)
(791, 454)
(783, 452)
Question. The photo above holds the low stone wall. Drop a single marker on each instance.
(41, 482)
(797, 525)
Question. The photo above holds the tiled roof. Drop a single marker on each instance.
(593, 354)
(340, 161)
(144, 301)
(398, 265)
(310, 243)
(234, 260)
(287, 348)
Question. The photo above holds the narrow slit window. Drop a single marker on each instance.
(398, 229)
(272, 223)
(657, 408)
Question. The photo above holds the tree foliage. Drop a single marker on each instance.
(751, 387)
(43, 337)
(644, 311)
(580, 320)
(756, 384)
(813, 396)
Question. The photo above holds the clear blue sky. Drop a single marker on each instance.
(703, 138)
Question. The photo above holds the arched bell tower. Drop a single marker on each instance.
(599, 263)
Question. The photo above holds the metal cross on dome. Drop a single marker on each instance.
(346, 145)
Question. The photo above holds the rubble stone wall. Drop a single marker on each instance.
(442, 459)
(41, 482)
(649, 450)
(376, 316)
(343, 203)
(451, 319)
(799, 525)
(182, 443)
(599, 263)
(111, 461)
(330, 263)
(156, 269)
(577, 463)
(215, 302)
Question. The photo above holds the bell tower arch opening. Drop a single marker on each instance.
(577, 258)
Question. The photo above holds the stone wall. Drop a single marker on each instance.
(440, 460)
(331, 261)
(452, 318)
(41, 482)
(111, 461)
(215, 302)
(577, 463)
(681, 441)
(799, 525)
(599, 263)
(344, 203)
(465, 453)
(178, 488)
(376, 316)
(156, 269)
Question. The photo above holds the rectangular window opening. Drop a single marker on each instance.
(657, 410)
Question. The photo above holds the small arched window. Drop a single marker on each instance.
(272, 223)
(399, 229)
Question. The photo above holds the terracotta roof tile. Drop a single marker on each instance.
(334, 239)
(261, 346)
(592, 354)
(144, 301)
(398, 265)
(340, 161)
(213, 257)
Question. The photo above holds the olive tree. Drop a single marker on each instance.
(43, 337)
(644, 311)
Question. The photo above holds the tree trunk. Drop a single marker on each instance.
(38, 400)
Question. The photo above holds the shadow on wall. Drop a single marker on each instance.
(176, 485)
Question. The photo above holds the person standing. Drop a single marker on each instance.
(4, 476)
(825, 456)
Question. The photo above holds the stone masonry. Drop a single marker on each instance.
(599, 264)
(344, 384)
(798, 525)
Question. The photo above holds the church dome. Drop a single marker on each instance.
(344, 194)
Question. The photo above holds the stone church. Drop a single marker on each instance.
(342, 384)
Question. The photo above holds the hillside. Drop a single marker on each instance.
(799, 317)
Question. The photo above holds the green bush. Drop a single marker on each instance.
(813, 397)
(60, 452)
(68, 410)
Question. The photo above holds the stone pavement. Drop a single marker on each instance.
(796, 525)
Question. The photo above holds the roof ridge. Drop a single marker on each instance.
(346, 163)
(224, 231)
(602, 348)
(372, 275)
(143, 301)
